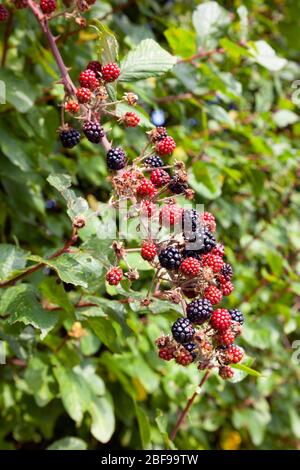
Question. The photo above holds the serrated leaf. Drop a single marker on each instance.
(148, 59)
(21, 303)
(12, 260)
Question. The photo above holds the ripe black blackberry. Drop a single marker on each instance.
(191, 254)
(195, 240)
(227, 271)
(209, 242)
(170, 258)
(154, 162)
(69, 137)
(199, 311)
(177, 187)
(93, 131)
(190, 220)
(183, 331)
(237, 316)
(116, 158)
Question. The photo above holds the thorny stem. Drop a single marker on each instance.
(185, 411)
(65, 77)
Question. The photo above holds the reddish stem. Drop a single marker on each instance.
(185, 411)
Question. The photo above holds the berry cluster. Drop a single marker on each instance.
(90, 100)
(189, 263)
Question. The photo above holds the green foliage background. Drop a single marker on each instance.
(235, 119)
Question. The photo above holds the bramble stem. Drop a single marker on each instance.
(65, 77)
(185, 411)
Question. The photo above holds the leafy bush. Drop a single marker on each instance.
(224, 83)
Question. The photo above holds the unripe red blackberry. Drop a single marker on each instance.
(184, 357)
(226, 338)
(165, 354)
(170, 214)
(131, 119)
(72, 107)
(95, 66)
(165, 146)
(190, 267)
(218, 250)
(227, 288)
(208, 220)
(20, 4)
(148, 208)
(226, 372)
(234, 354)
(170, 258)
(116, 158)
(110, 72)
(69, 137)
(48, 6)
(83, 94)
(199, 311)
(148, 251)
(114, 276)
(146, 189)
(93, 131)
(237, 316)
(88, 79)
(4, 13)
(159, 177)
(220, 319)
(213, 294)
(215, 262)
(183, 330)
(154, 161)
(227, 271)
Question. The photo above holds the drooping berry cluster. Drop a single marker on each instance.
(90, 100)
(188, 261)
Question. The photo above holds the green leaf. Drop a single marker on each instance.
(19, 92)
(148, 59)
(82, 390)
(68, 443)
(103, 419)
(144, 426)
(265, 55)
(182, 41)
(208, 19)
(56, 294)
(206, 180)
(105, 331)
(285, 117)
(107, 45)
(12, 260)
(248, 370)
(39, 380)
(21, 303)
(13, 149)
